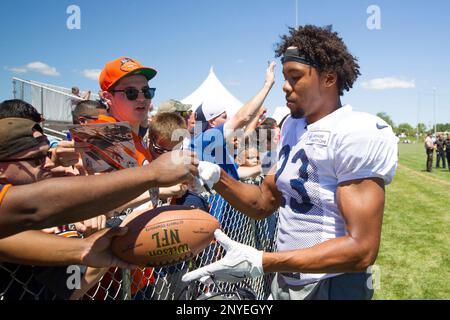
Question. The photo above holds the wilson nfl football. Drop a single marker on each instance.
(165, 236)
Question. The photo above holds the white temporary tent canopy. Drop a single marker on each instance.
(280, 113)
(212, 91)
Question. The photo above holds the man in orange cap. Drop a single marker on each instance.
(124, 83)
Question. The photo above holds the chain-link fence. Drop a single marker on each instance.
(20, 282)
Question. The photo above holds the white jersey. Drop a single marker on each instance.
(312, 161)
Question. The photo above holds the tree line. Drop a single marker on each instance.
(410, 130)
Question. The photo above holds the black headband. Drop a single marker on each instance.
(296, 55)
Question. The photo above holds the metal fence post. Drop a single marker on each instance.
(42, 101)
(125, 288)
(21, 90)
(14, 89)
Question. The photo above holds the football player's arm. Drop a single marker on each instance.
(251, 109)
(361, 203)
(257, 202)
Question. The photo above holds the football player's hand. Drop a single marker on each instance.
(239, 263)
(209, 174)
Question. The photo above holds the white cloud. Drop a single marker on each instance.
(92, 74)
(36, 66)
(43, 68)
(388, 83)
(18, 70)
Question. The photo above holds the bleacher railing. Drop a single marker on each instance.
(53, 102)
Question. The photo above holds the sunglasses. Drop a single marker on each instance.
(38, 160)
(133, 93)
(158, 149)
(85, 119)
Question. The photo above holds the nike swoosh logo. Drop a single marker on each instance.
(381, 126)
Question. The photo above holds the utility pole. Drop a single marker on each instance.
(418, 115)
(434, 109)
(296, 14)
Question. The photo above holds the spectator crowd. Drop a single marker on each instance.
(51, 221)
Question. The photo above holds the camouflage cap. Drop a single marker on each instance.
(16, 134)
(173, 106)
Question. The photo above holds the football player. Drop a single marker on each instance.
(328, 183)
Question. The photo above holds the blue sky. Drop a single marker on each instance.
(182, 39)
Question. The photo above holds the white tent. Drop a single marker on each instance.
(280, 113)
(212, 91)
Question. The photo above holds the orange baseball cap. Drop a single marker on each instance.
(121, 67)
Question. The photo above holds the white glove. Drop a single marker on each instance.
(209, 174)
(240, 262)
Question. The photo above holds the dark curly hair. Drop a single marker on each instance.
(16, 108)
(326, 50)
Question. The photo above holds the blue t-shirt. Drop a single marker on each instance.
(211, 146)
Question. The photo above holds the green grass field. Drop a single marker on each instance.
(414, 257)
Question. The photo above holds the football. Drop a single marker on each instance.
(165, 236)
